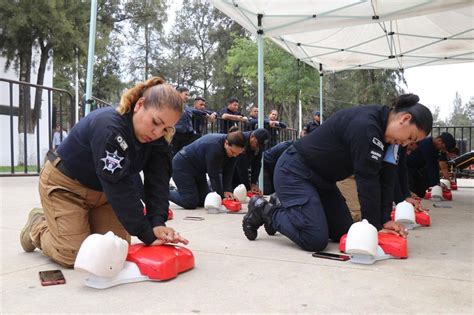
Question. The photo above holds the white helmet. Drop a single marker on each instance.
(405, 212)
(213, 201)
(437, 192)
(362, 238)
(102, 255)
(240, 192)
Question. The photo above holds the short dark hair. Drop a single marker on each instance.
(236, 138)
(232, 100)
(182, 89)
(199, 98)
(420, 114)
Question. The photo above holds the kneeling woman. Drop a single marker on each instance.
(213, 154)
(352, 141)
(89, 185)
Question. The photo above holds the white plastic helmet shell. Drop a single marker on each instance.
(240, 192)
(405, 213)
(102, 255)
(213, 201)
(437, 192)
(446, 182)
(362, 238)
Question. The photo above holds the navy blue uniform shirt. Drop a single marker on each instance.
(102, 153)
(207, 154)
(270, 156)
(350, 142)
(225, 124)
(249, 159)
(185, 123)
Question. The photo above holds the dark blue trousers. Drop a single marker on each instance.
(191, 184)
(313, 209)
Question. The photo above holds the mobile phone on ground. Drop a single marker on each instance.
(51, 277)
(333, 256)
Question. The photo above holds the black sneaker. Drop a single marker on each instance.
(253, 219)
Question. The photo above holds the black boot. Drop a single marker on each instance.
(267, 218)
(253, 219)
(274, 200)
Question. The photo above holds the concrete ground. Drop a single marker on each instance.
(269, 275)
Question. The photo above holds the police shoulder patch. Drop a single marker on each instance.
(112, 161)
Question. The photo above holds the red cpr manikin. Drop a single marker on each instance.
(110, 261)
(366, 245)
(439, 193)
(410, 217)
(214, 204)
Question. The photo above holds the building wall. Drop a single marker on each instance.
(6, 135)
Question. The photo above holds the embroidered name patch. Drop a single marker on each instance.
(111, 161)
(375, 155)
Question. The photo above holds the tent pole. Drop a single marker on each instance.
(321, 74)
(300, 114)
(90, 56)
(260, 70)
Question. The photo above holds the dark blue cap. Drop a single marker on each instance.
(316, 113)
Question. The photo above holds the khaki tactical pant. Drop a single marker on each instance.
(72, 213)
(348, 189)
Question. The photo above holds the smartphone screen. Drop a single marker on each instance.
(51, 277)
(333, 256)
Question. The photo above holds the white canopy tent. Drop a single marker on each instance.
(335, 35)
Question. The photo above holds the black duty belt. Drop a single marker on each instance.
(52, 157)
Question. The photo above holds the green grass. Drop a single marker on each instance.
(19, 169)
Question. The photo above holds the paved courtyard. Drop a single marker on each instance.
(234, 275)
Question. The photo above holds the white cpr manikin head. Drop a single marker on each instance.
(102, 255)
(405, 212)
(446, 182)
(437, 192)
(362, 238)
(213, 201)
(240, 192)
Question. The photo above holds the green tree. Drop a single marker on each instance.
(460, 115)
(191, 48)
(107, 84)
(284, 76)
(225, 32)
(145, 20)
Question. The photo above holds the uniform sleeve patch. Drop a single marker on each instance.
(121, 141)
(378, 143)
(112, 161)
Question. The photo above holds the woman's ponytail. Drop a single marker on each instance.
(131, 96)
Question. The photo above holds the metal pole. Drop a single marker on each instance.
(76, 119)
(321, 74)
(300, 113)
(261, 106)
(90, 55)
